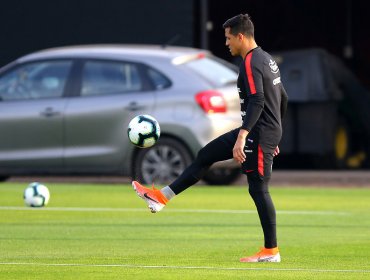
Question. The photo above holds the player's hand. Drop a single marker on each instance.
(238, 150)
(276, 152)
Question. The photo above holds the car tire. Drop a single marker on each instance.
(221, 176)
(162, 163)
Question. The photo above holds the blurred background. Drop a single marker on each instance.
(322, 48)
(341, 27)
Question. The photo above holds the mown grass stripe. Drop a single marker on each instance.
(208, 211)
(318, 270)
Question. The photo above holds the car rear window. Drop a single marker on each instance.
(159, 80)
(214, 70)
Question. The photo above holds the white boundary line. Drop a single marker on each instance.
(218, 211)
(191, 267)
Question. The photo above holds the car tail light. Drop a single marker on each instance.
(211, 101)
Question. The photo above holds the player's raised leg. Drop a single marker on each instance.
(217, 150)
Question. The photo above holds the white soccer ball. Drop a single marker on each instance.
(36, 195)
(143, 131)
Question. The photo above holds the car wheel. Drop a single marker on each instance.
(221, 176)
(162, 163)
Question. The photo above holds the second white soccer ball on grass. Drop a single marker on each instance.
(36, 195)
(143, 131)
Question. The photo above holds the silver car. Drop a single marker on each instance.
(66, 111)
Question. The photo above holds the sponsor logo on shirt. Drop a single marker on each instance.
(276, 81)
(273, 66)
(243, 113)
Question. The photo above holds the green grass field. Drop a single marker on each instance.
(91, 231)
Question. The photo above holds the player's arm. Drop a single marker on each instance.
(254, 109)
(284, 102)
(283, 108)
(256, 98)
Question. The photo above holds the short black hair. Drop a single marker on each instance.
(240, 24)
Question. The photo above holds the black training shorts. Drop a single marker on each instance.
(257, 159)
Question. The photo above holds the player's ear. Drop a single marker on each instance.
(240, 36)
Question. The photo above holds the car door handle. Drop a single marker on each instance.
(133, 106)
(49, 112)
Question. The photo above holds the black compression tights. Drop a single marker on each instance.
(258, 189)
(221, 149)
(217, 150)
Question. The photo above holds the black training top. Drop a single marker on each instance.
(263, 98)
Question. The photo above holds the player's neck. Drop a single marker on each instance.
(249, 45)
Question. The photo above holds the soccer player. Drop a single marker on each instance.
(263, 103)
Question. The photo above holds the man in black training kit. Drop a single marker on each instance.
(263, 103)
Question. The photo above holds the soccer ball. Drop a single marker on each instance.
(36, 195)
(143, 131)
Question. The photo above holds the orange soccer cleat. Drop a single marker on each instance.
(264, 255)
(153, 197)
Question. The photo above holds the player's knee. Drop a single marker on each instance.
(257, 185)
(255, 191)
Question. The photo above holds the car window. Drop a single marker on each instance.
(213, 70)
(158, 79)
(103, 77)
(35, 80)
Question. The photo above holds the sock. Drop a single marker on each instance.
(168, 192)
(272, 251)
